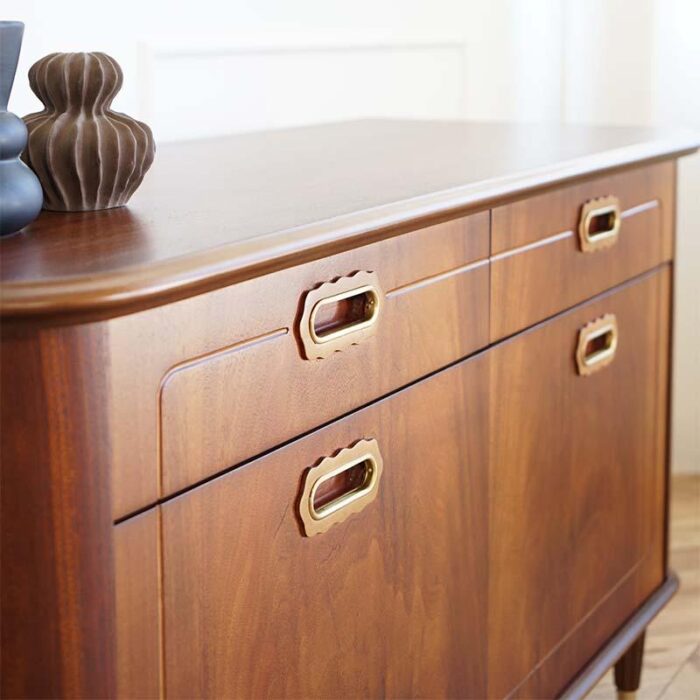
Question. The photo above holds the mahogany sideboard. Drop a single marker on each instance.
(362, 410)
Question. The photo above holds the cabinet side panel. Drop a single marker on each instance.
(56, 561)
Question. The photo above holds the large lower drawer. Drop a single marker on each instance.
(389, 602)
(577, 484)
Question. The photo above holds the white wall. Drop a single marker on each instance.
(206, 67)
(645, 69)
(209, 67)
(215, 66)
(677, 100)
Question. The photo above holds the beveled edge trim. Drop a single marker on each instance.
(159, 283)
(599, 665)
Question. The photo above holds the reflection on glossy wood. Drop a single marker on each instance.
(279, 198)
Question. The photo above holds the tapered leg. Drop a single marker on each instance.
(628, 670)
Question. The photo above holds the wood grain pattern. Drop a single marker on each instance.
(56, 561)
(671, 668)
(325, 189)
(517, 540)
(86, 155)
(232, 369)
(137, 560)
(556, 275)
(534, 218)
(218, 411)
(389, 603)
(583, 470)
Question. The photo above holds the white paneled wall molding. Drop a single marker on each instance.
(196, 89)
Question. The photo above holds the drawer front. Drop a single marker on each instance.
(382, 316)
(577, 484)
(386, 602)
(547, 255)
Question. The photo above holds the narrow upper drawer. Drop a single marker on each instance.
(557, 249)
(327, 337)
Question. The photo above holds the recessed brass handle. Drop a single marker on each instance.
(340, 486)
(339, 314)
(599, 225)
(597, 345)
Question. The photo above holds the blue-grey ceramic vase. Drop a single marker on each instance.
(21, 196)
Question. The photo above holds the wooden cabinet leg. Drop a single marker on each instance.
(628, 670)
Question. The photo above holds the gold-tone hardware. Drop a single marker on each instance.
(362, 288)
(371, 306)
(597, 344)
(318, 518)
(605, 211)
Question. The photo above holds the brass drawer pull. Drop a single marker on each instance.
(599, 225)
(340, 486)
(339, 314)
(597, 344)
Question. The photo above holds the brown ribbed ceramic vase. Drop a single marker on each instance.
(86, 155)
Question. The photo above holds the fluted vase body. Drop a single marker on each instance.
(86, 155)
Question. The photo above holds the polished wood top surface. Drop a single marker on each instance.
(215, 211)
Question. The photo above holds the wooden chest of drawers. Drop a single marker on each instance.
(386, 417)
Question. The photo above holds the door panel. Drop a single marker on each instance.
(577, 488)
